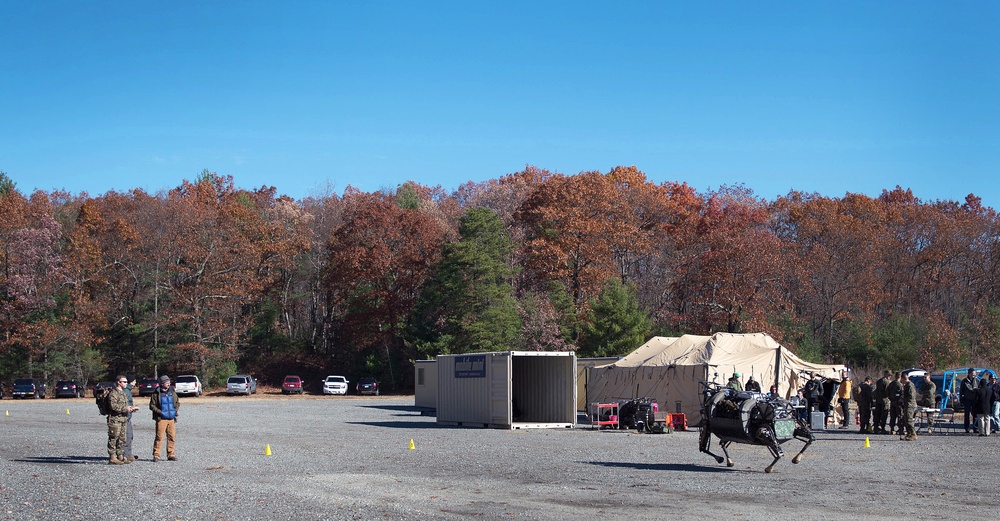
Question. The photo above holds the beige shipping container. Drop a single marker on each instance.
(507, 390)
(425, 386)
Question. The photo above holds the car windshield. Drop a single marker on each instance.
(63, 382)
(186, 379)
(292, 379)
(336, 379)
(367, 381)
(237, 380)
(23, 381)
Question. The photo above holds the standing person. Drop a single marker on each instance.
(844, 399)
(164, 405)
(882, 402)
(129, 455)
(908, 408)
(865, 399)
(928, 398)
(117, 419)
(967, 395)
(752, 385)
(985, 406)
(996, 401)
(734, 382)
(812, 392)
(895, 391)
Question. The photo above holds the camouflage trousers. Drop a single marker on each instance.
(116, 435)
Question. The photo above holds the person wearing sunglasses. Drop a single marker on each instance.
(117, 422)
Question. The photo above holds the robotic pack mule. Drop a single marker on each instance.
(749, 418)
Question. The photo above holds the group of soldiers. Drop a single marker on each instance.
(890, 405)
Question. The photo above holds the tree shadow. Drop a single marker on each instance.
(401, 424)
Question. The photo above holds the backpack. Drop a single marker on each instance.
(103, 398)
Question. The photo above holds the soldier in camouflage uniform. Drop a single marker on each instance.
(908, 408)
(895, 391)
(117, 421)
(928, 398)
(881, 402)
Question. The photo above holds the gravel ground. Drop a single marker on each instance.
(350, 458)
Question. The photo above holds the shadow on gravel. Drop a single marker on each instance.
(400, 424)
(404, 408)
(65, 460)
(682, 467)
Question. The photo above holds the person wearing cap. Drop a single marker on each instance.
(164, 405)
(844, 400)
(129, 456)
(734, 382)
(752, 385)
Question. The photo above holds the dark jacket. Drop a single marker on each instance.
(882, 389)
(154, 403)
(985, 398)
(865, 395)
(967, 392)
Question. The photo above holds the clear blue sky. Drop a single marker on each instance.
(828, 97)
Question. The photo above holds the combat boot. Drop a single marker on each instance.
(113, 460)
(124, 460)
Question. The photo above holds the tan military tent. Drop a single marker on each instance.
(670, 370)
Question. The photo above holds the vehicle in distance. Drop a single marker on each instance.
(69, 389)
(28, 388)
(148, 386)
(103, 385)
(187, 385)
(241, 384)
(368, 385)
(335, 385)
(291, 384)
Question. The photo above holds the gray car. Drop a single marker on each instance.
(241, 384)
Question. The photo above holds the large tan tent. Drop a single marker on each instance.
(670, 370)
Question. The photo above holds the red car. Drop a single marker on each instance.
(292, 384)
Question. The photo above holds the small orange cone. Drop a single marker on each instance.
(412, 446)
(868, 444)
(267, 450)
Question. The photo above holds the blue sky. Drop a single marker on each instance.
(819, 97)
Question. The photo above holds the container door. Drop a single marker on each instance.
(500, 390)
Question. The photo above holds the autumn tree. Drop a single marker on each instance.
(379, 259)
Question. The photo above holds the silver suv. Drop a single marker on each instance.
(241, 384)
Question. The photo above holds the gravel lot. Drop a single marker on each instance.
(350, 458)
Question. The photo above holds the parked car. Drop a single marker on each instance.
(103, 385)
(28, 388)
(335, 385)
(292, 384)
(187, 384)
(69, 389)
(241, 384)
(148, 386)
(368, 385)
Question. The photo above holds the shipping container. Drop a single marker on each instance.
(425, 386)
(507, 390)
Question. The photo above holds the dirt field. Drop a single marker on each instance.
(350, 458)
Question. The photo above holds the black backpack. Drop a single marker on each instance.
(103, 398)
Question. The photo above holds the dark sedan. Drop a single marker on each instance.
(368, 385)
(69, 389)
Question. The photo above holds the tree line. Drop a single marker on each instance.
(211, 279)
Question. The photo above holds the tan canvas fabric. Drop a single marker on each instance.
(670, 370)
